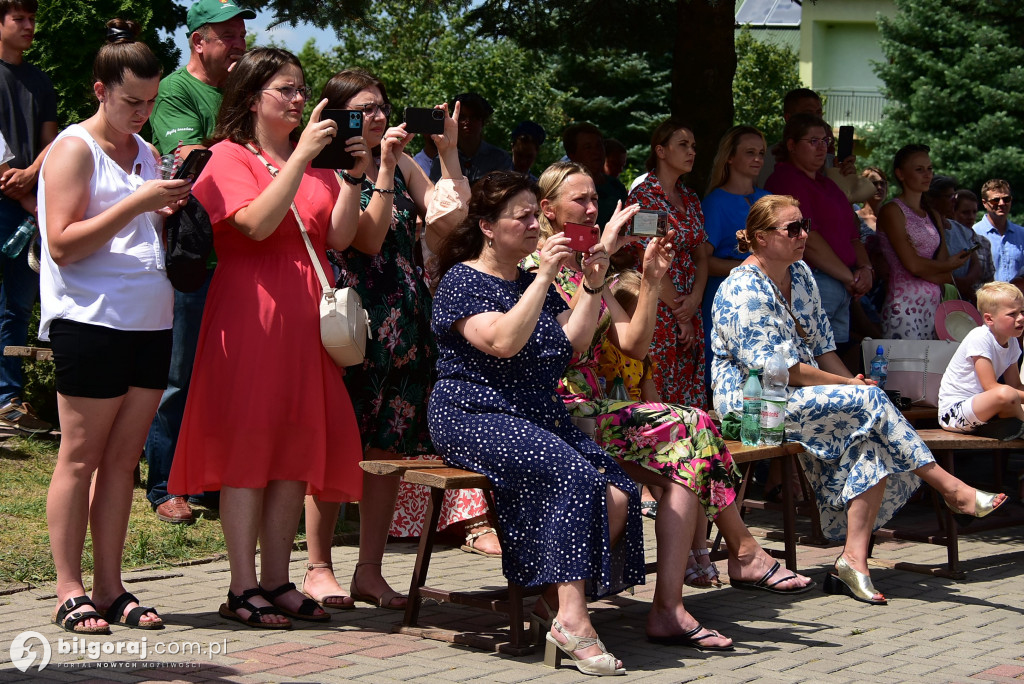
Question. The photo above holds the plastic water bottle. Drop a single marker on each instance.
(750, 427)
(619, 392)
(773, 400)
(880, 367)
(19, 238)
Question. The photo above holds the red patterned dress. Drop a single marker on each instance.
(680, 373)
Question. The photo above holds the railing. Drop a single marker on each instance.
(853, 107)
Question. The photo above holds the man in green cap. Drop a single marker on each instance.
(184, 115)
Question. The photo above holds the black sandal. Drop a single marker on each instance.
(307, 608)
(68, 622)
(256, 613)
(115, 613)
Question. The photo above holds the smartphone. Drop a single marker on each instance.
(193, 165)
(334, 156)
(425, 120)
(581, 237)
(845, 146)
(975, 247)
(648, 223)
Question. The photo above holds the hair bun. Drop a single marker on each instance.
(122, 31)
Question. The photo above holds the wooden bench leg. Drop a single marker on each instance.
(945, 459)
(426, 548)
(789, 513)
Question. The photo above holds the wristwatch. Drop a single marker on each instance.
(352, 180)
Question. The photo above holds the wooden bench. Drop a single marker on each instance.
(30, 353)
(944, 446)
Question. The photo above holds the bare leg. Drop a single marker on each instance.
(320, 582)
(282, 507)
(112, 490)
(240, 513)
(958, 495)
(861, 513)
(618, 502)
(748, 562)
(376, 509)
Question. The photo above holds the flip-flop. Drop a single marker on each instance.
(689, 639)
(115, 613)
(763, 584)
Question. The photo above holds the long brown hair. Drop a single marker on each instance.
(660, 137)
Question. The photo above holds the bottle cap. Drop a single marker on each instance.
(880, 350)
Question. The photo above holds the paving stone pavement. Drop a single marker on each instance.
(933, 630)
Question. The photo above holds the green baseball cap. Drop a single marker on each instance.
(214, 11)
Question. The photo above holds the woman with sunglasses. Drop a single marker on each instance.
(840, 264)
(862, 458)
(915, 249)
(389, 390)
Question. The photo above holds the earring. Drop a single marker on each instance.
(490, 242)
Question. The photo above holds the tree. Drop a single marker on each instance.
(955, 81)
(764, 74)
(69, 33)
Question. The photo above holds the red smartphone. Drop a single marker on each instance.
(581, 237)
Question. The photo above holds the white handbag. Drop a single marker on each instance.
(344, 324)
(915, 366)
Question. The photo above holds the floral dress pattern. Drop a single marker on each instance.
(680, 376)
(389, 391)
(678, 442)
(909, 310)
(853, 435)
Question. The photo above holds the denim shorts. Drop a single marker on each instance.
(102, 363)
(835, 301)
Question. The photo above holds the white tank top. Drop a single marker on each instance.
(123, 284)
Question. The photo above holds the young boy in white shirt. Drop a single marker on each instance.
(970, 394)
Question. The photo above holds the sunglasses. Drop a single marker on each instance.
(794, 228)
(1007, 199)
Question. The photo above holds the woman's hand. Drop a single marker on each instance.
(163, 196)
(594, 265)
(317, 134)
(450, 138)
(357, 147)
(687, 334)
(658, 256)
(552, 254)
(392, 145)
(859, 379)
(686, 307)
(610, 238)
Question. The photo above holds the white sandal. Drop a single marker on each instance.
(695, 571)
(602, 664)
(470, 546)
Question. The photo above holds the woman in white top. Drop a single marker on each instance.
(106, 308)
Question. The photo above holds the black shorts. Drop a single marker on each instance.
(102, 363)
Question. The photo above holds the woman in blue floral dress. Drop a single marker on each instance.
(863, 459)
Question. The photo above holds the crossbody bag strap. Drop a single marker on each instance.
(317, 266)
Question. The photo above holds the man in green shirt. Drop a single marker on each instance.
(184, 114)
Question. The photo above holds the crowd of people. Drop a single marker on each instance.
(495, 343)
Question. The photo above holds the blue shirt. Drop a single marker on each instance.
(1007, 249)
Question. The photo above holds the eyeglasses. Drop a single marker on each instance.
(1006, 199)
(289, 93)
(794, 228)
(815, 142)
(371, 108)
(880, 184)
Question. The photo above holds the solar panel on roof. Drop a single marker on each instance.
(769, 13)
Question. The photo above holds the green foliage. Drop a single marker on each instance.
(764, 74)
(955, 81)
(70, 32)
(426, 53)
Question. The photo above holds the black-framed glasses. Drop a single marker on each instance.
(794, 228)
(815, 142)
(290, 92)
(371, 108)
(1005, 199)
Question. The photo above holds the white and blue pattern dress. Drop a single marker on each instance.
(853, 435)
(503, 419)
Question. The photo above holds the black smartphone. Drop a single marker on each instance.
(425, 120)
(844, 147)
(648, 223)
(334, 156)
(193, 165)
(581, 237)
(975, 247)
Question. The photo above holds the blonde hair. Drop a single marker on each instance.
(551, 182)
(728, 147)
(991, 295)
(762, 217)
(626, 290)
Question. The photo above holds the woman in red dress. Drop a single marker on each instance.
(678, 345)
(268, 418)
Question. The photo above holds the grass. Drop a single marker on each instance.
(26, 465)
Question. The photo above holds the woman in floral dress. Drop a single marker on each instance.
(862, 458)
(679, 334)
(919, 263)
(666, 445)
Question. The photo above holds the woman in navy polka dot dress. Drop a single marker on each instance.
(570, 515)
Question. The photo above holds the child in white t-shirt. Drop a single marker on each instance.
(970, 394)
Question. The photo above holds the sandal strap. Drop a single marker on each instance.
(711, 634)
(69, 622)
(270, 595)
(319, 566)
(573, 642)
(768, 575)
(236, 601)
(133, 617)
(470, 538)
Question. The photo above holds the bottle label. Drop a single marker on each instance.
(751, 407)
(773, 414)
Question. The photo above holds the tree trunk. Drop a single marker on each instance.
(703, 66)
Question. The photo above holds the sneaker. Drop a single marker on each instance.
(20, 416)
